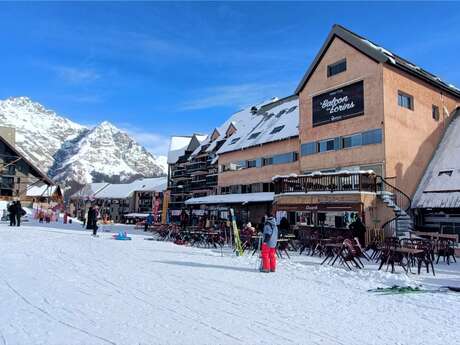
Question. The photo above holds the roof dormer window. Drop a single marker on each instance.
(445, 173)
(277, 129)
(254, 135)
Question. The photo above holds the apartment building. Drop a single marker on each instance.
(364, 108)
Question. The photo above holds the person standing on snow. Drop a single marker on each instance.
(19, 213)
(270, 235)
(148, 221)
(91, 220)
(12, 213)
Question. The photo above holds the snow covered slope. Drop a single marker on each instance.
(40, 132)
(72, 153)
(63, 287)
(104, 151)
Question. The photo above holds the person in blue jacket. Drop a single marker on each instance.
(148, 221)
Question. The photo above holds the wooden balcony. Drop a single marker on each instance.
(339, 182)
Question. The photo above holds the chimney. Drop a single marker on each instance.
(253, 110)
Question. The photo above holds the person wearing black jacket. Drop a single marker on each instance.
(284, 226)
(89, 218)
(19, 213)
(12, 213)
(358, 230)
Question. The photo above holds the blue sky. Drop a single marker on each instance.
(161, 69)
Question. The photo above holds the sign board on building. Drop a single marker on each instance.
(339, 104)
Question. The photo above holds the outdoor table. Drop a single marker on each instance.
(291, 238)
(332, 252)
(320, 245)
(278, 250)
(408, 253)
(431, 235)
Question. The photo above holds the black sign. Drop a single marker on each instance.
(340, 104)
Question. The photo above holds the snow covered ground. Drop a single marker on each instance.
(60, 286)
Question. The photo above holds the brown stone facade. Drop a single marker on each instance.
(359, 67)
(410, 137)
(262, 174)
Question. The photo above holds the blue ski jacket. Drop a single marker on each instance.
(270, 232)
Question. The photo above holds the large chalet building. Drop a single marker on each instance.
(356, 137)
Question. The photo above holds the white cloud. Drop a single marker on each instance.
(155, 143)
(237, 95)
(75, 75)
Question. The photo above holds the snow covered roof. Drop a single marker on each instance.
(273, 122)
(232, 199)
(41, 191)
(177, 147)
(90, 190)
(378, 54)
(124, 190)
(239, 120)
(440, 185)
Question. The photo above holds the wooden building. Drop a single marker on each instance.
(17, 173)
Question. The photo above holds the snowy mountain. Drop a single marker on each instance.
(71, 153)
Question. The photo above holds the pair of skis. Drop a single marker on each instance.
(403, 290)
(236, 235)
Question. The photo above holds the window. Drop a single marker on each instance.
(267, 161)
(365, 138)
(405, 100)
(277, 129)
(254, 135)
(351, 141)
(251, 164)
(435, 112)
(281, 113)
(291, 109)
(234, 141)
(308, 149)
(326, 145)
(336, 68)
(372, 137)
(445, 173)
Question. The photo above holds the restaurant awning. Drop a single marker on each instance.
(232, 199)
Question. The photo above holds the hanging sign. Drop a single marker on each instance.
(339, 104)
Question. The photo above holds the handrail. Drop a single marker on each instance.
(398, 200)
(399, 191)
(326, 183)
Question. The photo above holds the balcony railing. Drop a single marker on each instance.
(340, 182)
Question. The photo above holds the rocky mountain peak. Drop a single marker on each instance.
(72, 153)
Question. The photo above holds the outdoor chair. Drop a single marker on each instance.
(360, 249)
(446, 249)
(350, 254)
(387, 255)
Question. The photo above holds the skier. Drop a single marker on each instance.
(269, 246)
(91, 219)
(12, 213)
(19, 213)
(148, 221)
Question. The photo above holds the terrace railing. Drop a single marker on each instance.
(340, 182)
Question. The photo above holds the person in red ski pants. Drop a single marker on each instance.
(269, 246)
